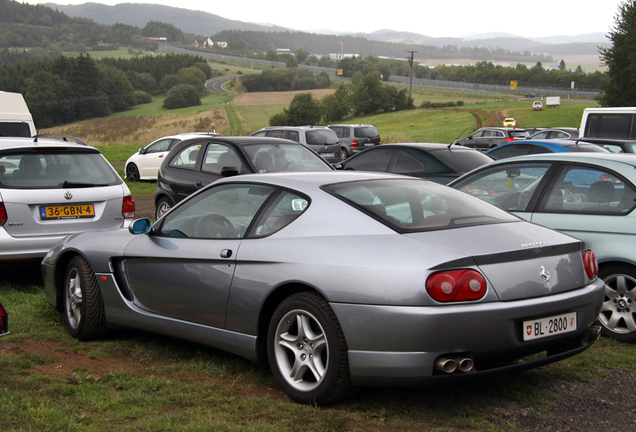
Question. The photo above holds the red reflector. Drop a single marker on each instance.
(3, 215)
(354, 143)
(128, 208)
(590, 264)
(456, 285)
(511, 139)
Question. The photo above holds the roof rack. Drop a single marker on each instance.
(62, 137)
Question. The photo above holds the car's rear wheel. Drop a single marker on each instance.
(343, 153)
(163, 206)
(132, 172)
(307, 350)
(618, 313)
(83, 305)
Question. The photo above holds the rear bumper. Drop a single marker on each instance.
(397, 345)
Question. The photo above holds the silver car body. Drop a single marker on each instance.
(222, 292)
(27, 233)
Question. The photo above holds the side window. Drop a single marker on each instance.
(292, 135)
(498, 134)
(376, 160)
(260, 134)
(540, 135)
(186, 158)
(159, 146)
(508, 187)
(613, 148)
(407, 163)
(340, 132)
(221, 212)
(282, 211)
(477, 134)
(588, 190)
(219, 156)
(274, 133)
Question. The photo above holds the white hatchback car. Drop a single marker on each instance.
(50, 189)
(144, 165)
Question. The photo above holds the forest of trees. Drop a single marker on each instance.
(76, 88)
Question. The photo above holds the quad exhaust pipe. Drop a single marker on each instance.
(450, 365)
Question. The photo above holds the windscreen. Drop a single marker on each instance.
(60, 168)
(418, 205)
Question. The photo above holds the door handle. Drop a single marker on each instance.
(226, 253)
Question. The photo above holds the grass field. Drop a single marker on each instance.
(137, 381)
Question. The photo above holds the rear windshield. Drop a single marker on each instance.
(582, 147)
(284, 157)
(365, 132)
(321, 137)
(519, 134)
(413, 205)
(62, 168)
(609, 125)
(15, 129)
(463, 161)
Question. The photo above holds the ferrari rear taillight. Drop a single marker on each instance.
(3, 214)
(456, 285)
(128, 208)
(354, 143)
(590, 264)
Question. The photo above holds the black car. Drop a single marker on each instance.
(486, 138)
(440, 163)
(196, 162)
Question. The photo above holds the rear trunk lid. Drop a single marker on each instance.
(520, 260)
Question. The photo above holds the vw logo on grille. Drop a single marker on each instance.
(545, 275)
(68, 195)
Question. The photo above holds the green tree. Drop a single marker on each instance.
(182, 96)
(335, 106)
(301, 55)
(620, 89)
(271, 56)
(562, 65)
(303, 110)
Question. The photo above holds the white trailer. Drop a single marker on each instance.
(552, 101)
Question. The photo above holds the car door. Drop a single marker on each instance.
(590, 203)
(153, 156)
(184, 268)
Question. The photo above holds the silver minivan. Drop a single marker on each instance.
(320, 139)
(50, 189)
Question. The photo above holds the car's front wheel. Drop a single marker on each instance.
(132, 172)
(307, 350)
(83, 305)
(163, 206)
(618, 313)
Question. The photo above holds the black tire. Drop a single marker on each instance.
(163, 205)
(344, 154)
(618, 314)
(132, 172)
(315, 352)
(83, 304)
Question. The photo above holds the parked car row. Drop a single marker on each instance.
(246, 250)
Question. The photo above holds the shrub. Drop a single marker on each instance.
(142, 97)
(181, 96)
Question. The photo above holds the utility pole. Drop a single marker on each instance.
(410, 59)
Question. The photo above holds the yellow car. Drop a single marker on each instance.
(509, 122)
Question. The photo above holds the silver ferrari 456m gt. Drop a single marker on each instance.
(337, 280)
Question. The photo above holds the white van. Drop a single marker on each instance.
(15, 117)
(614, 122)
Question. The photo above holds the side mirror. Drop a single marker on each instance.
(229, 171)
(140, 226)
(143, 151)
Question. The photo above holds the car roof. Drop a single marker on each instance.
(583, 157)
(243, 140)
(428, 146)
(352, 125)
(300, 180)
(559, 142)
(185, 135)
(293, 127)
(7, 143)
(502, 128)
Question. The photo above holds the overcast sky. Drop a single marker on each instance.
(454, 18)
